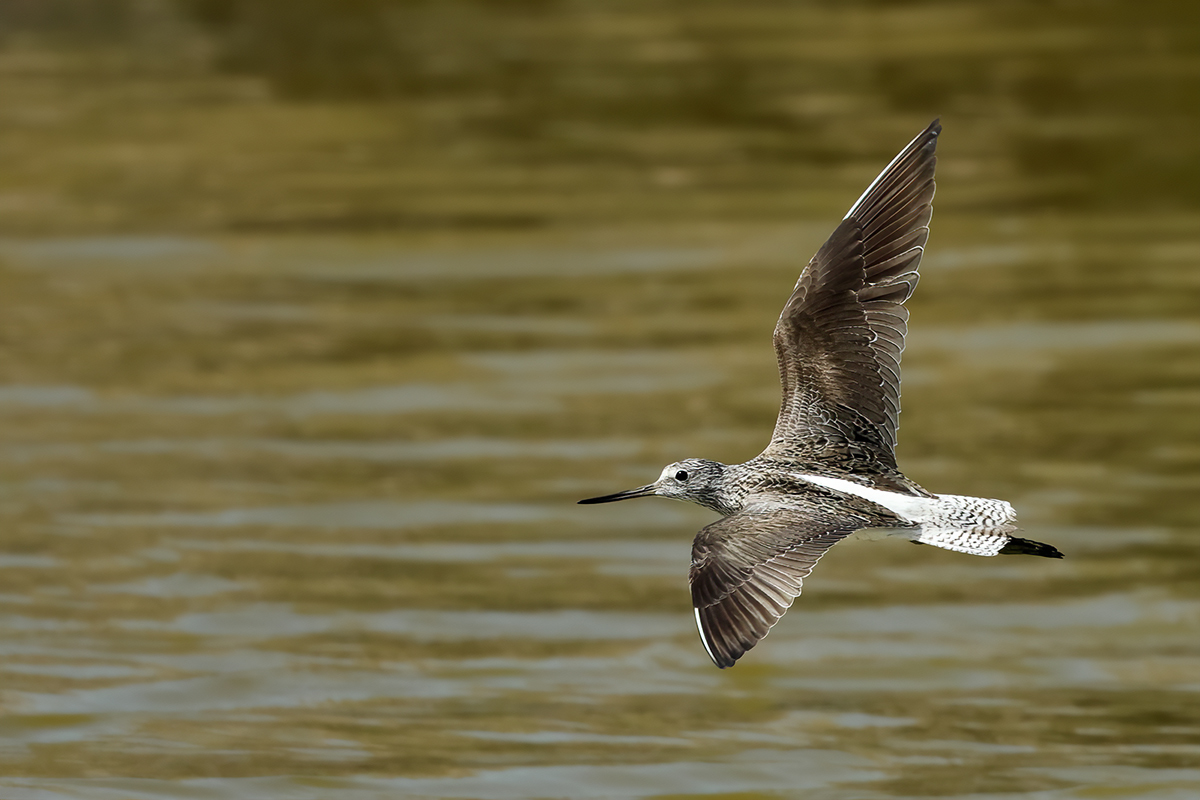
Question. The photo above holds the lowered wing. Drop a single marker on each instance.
(748, 568)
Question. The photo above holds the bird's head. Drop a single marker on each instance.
(696, 480)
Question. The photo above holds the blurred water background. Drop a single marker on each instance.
(318, 317)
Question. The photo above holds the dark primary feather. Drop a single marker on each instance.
(748, 568)
(841, 333)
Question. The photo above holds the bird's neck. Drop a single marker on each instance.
(727, 495)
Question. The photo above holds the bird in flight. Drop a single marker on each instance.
(830, 469)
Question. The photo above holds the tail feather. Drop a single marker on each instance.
(975, 525)
(955, 510)
(1028, 547)
(975, 541)
(983, 541)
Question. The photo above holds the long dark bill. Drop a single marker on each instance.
(641, 491)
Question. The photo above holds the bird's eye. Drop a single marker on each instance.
(681, 475)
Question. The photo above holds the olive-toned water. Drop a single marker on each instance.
(303, 370)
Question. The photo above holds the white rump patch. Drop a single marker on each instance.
(906, 506)
(941, 510)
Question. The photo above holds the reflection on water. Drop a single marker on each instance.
(158, 251)
(288, 501)
(281, 578)
(1062, 336)
(363, 514)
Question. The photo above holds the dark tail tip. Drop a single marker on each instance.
(1028, 547)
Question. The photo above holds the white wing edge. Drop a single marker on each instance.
(879, 177)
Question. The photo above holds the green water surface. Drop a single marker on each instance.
(316, 319)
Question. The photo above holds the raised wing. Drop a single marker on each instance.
(748, 568)
(841, 333)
